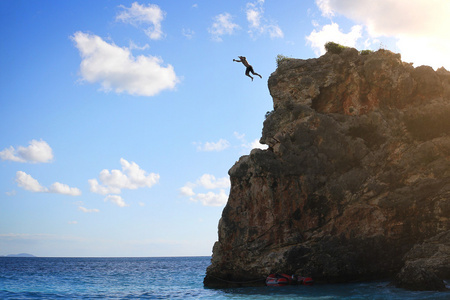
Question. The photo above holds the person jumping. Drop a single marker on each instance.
(249, 67)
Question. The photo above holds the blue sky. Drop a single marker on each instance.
(120, 119)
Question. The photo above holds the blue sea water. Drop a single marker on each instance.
(160, 278)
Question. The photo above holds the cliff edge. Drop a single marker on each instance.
(355, 184)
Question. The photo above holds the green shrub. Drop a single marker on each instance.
(280, 58)
(334, 47)
(366, 52)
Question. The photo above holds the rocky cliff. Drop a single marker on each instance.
(355, 184)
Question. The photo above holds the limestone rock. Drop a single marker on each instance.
(357, 173)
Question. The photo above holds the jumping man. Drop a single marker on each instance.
(249, 67)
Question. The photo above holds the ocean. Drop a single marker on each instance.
(160, 278)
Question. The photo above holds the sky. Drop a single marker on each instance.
(119, 120)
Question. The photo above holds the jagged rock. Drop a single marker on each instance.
(357, 172)
(426, 264)
(418, 278)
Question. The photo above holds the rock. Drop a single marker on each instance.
(426, 264)
(418, 278)
(357, 173)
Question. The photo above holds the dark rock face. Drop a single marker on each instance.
(426, 264)
(357, 173)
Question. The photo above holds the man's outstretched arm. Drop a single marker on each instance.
(236, 60)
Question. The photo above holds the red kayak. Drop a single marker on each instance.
(305, 280)
(278, 279)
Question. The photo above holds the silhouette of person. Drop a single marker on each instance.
(249, 68)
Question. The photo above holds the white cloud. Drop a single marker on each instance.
(142, 15)
(117, 69)
(72, 222)
(239, 136)
(28, 183)
(36, 152)
(187, 191)
(60, 188)
(419, 26)
(249, 146)
(254, 12)
(221, 145)
(135, 46)
(390, 17)
(258, 24)
(208, 182)
(188, 33)
(12, 193)
(116, 199)
(332, 33)
(131, 177)
(257, 145)
(211, 199)
(95, 187)
(274, 31)
(86, 210)
(222, 25)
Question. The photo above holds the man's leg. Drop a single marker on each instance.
(247, 72)
(254, 73)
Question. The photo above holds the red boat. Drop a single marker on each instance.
(278, 279)
(305, 280)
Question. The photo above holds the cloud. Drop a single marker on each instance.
(36, 152)
(332, 32)
(221, 145)
(135, 46)
(131, 177)
(246, 146)
(116, 199)
(86, 210)
(208, 182)
(187, 191)
(387, 17)
(257, 145)
(28, 183)
(188, 33)
(211, 199)
(60, 188)
(11, 193)
(142, 15)
(222, 25)
(258, 25)
(419, 26)
(115, 68)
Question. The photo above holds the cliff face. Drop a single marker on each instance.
(357, 173)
